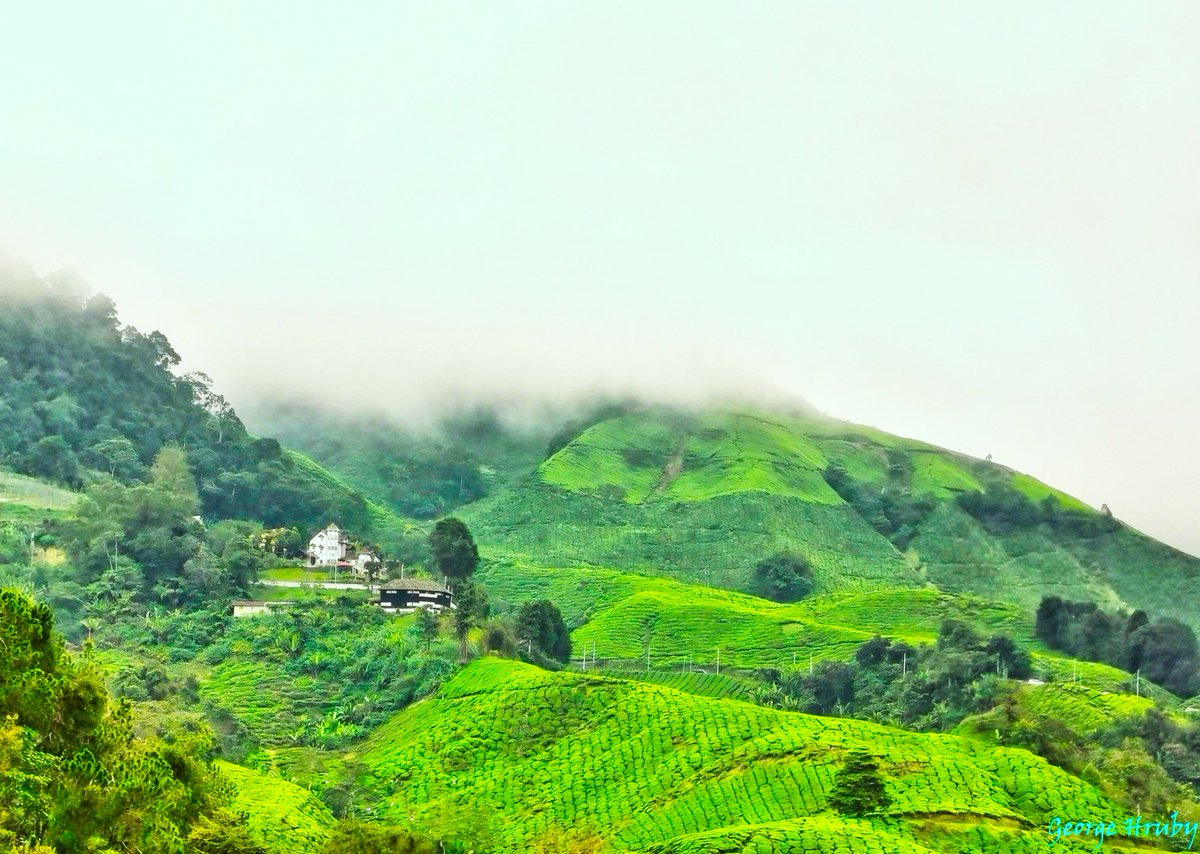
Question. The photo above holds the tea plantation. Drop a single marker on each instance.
(283, 817)
(703, 498)
(655, 769)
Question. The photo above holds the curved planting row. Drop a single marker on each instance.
(642, 764)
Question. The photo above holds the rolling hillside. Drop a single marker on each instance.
(703, 498)
(626, 621)
(539, 756)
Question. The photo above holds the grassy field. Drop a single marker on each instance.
(1081, 708)
(28, 503)
(690, 682)
(387, 528)
(30, 492)
(533, 754)
(1038, 491)
(282, 816)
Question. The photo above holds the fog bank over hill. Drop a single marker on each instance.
(975, 228)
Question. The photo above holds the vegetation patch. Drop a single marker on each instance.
(282, 816)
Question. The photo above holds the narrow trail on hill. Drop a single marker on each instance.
(673, 467)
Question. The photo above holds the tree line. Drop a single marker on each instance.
(1163, 651)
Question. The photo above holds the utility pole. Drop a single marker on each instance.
(904, 666)
(647, 658)
(810, 664)
(31, 548)
(1139, 682)
(718, 661)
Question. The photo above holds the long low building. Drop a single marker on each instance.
(405, 595)
(258, 607)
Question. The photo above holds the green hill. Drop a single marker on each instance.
(535, 755)
(704, 497)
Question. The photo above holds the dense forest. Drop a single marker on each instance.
(85, 396)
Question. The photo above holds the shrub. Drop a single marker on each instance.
(785, 577)
(858, 788)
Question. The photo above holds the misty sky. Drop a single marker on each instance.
(976, 225)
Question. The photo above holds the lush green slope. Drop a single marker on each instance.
(548, 753)
(19, 491)
(419, 473)
(704, 497)
(620, 617)
(718, 540)
(282, 816)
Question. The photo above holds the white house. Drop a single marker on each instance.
(362, 559)
(328, 547)
(331, 547)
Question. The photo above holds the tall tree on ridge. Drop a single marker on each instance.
(454, 551)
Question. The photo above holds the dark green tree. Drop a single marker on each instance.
(470, 610)
(785, 577)
(453, 550)
(1165, 652)
(858, 788)
(426, 627)
(540, 626)
(76, 778)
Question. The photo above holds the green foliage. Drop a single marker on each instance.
(282, 817)
(1164, 650)
(783, 578)
(322, 673)
(453, 550)
(894, 507)
(75, 777)
(471, 608)
(358, 837)
(858, 788)
(541, 626)
(423, 474)
(426, 627)
(921, 687)
(82, 394)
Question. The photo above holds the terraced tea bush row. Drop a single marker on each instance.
(1081, 708)
(691, 682)
(282, 816)
(719, 540)
(649, 764)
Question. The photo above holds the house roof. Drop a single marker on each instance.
(427, 584)
(259, 602)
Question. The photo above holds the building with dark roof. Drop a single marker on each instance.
(405, 595)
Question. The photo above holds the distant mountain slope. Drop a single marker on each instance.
(420, 473)
(704, 497)
(544, 756)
